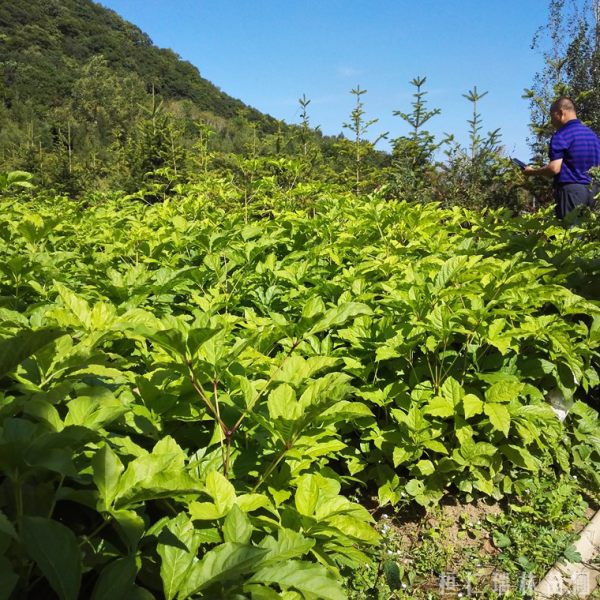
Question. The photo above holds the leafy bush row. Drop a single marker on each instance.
(190, 394)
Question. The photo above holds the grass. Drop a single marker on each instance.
(482, 550)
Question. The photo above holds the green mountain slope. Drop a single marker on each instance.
(44, 44)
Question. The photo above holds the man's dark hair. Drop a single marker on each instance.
(563, 103)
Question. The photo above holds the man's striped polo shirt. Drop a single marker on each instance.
(579, 147)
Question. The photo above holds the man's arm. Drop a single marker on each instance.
(550, 170)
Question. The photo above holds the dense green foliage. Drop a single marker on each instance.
(570, 42)
(192, 389)
(90, 104)
(77, 82)
(46, 43)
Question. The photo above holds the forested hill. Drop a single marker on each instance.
(44, 44)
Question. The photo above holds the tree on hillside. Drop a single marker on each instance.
(570, 42)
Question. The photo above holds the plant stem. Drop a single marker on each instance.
(258, 396)
(288, 446)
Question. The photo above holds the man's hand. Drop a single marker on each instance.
(550, 170)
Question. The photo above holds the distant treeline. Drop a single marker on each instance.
(90, 104)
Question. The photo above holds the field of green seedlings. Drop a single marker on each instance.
(200, 402)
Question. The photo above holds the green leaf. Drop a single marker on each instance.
(237, 527)
(475, 453)
(289, 544)
(8, 579)
(354, 528)
(251, 502)
(220, 489)
(501, 540)
(198, 337)
(520, 457)
(7, 527)
(472, 405)
(55, 550)
(425, 467)
(282, 404)
(414, 487)
(14, 350)
(504, 391)
(307, 495)
(309, 579)
(107, 469)
(116, 581)
(130, 527)
(177, 545)
(452, 390)
(339, 315)
(391, 571)
(78, 306)
(572, 555)
(440, 406)
(498, 415)
(225, 563)
(449, 269)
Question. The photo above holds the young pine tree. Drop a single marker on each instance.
(413, 154)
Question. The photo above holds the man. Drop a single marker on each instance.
(574, 150)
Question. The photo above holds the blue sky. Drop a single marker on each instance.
(268, 53)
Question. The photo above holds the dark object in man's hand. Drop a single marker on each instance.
(518, 163)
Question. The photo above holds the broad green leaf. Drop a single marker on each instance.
(326, 391)
(198, 336)
(107, 469)
(414, 487)
(452, 390)
(520, 457)
(77, 305)
(354, 528)
(14, 350)
(204, 511)
(339, 315)
(96, 409)
(225, 563)
(296, 369)
(130, 527)
(475, 453)
(472, 406)
(42, 538)
(116, 580)
(251, 502)
(307, 495)
(313, 308)
(102, 316)
(425, 467)
(310, 579)
(177, 545)
(289, 544)
(237, 527)
(7, 527)
(8, 579)
(346, 410)
(220, 489)
(504, 391)
(449, 269)
(161, 470)
(401, 455)
(282, 404)
(440, 406)
(498, 415)
(436, 446)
